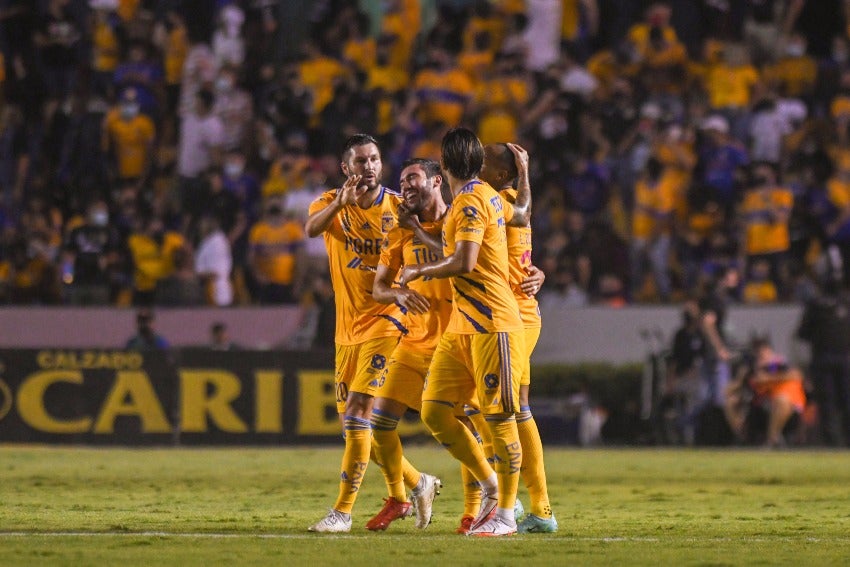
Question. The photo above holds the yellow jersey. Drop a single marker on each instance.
(763, 234)
(176, 50)
(483, 300)
(354, 242)
(132, 141)
(442, 95)
(275, 248)
(730, 86)
(405, 249)
(654, 205)
(153, 261)
(519, 259)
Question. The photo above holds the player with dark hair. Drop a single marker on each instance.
(479, 355)
(354, 221)
(505, 165)
(427, 305)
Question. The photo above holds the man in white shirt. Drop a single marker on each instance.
(201, 141)
(214, 261)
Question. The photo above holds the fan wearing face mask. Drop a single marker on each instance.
(129, 139)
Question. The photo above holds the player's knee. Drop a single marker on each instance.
(436, 416)
(358, 405)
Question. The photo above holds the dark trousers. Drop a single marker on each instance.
(831, 377)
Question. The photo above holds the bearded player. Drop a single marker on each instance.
(354, 221)
(479, 355)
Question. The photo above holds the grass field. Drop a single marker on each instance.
(76, 506)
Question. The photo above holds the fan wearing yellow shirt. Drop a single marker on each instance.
(652, 224)
(130, 136)
(354, 221)
(503, 164)
(479, 357)
(441, 90)
(765, 212)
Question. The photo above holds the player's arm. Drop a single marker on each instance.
(321, 220)
(462, 261)
(522, 204)
(384, 292)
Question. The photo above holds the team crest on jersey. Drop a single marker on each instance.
(387, 222)
(379, 361)
(491, 381)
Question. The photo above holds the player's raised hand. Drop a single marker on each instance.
(412, 301)
(520, 157)
(347, 195)
(407, 219)
(533, 282)
(408, 274)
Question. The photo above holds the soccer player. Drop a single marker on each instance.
(479, 355)
(354, 221)
(503, 164)
(428, 306)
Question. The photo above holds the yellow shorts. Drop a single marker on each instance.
(404, 378)
(359, 367)
(484, 367)
(531, 337)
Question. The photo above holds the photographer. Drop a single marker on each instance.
(769, 390)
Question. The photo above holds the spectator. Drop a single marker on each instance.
(765, 212)
(720, 161)
(652, 228)
(146, 337)
(57, 37)
(220, 338)
(234, 107)
(201, 144)
(171, 37)
(93, 252)
(227, 42)
(144, 75)
(274, 255)
(129, 138)
(214, 262)
(182, 287)
(152, 250)
(441, 90)
(34, 275)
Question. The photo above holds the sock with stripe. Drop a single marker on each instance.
(533, 470)
(387, 452)
(355, 459)
(484, 435)
(508, 457)
(454, 436)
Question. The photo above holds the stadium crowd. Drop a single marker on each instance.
(164, 152)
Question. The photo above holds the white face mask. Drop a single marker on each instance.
(795, 50)
(100, 218)
(224, 84)
(233, 170)
(130, 110)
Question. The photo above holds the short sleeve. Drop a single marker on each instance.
(319, 204)
(508, 198)
(470, 215)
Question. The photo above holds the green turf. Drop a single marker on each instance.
(252, 507)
